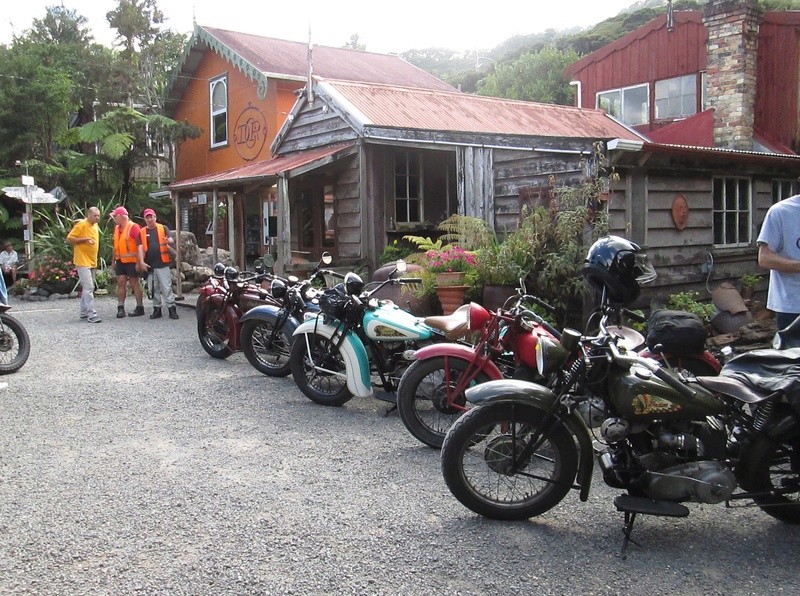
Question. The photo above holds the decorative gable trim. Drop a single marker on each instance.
(247, 69)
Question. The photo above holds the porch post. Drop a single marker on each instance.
(284, 240)
(176, 201)
(214, 225)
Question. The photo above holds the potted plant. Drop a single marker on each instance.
(749, 281)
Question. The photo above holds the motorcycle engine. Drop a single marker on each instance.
(702, 481)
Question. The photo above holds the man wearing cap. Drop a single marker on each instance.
(154, 251)
(85, 240)
(127, 264)
(9, 259)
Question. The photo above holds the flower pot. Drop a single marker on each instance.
(450, 297)
(450, 278)
(495, 296)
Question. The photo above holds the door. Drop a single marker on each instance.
(317, 221)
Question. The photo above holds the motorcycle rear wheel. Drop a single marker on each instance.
(479, 469)
(268, 357)
(422, 397)
(213, 342)
(15, 344)
(309, 353)
(776, 467)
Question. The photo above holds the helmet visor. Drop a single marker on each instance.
(643, 269)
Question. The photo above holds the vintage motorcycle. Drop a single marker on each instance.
(335, 353)
(223, 299)
(15, 344)
(267, 330)
(431, 392)
(662, 438)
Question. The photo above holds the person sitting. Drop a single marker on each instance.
(9, 259)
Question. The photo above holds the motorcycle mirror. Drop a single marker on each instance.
(268, 261)
(401, 266)
(258, 266)
(326, 259)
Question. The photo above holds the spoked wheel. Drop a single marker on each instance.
(424, 398)
(776, 474)
(265, 349)
(490, 467)
(319, 370)
(15, 344)
(213, 331)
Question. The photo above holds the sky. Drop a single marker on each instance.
(382, 26)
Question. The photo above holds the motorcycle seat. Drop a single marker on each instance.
(735, 388)
(454, 326)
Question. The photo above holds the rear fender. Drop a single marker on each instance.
(354, 354)
(540, 398)
(448, 350)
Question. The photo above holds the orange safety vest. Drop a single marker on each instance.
(124, 245)
(162, 242)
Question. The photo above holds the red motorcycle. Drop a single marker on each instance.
(223, 300)
(430, 396)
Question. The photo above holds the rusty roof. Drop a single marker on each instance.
(385, 106)
(261, 169)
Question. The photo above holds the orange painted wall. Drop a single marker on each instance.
(195, 156)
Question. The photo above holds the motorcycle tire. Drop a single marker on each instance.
(15, 344)
(321, 387)
(479, 469)
(774, 465)
(270, 358)
(422, 397)
(211, 339)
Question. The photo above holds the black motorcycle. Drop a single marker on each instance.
(15, 344)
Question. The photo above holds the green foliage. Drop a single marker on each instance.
(690, 302)
(750, 280)
(393, 252)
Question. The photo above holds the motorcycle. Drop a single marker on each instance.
(267, 330)
(15, 343)
(223, 300)
(430, 395)
(662, 438)
(335, 352)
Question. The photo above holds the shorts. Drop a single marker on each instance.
(128, 269)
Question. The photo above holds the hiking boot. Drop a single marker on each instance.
(173, 312)
(120, 312)
(156, 313)
(137, 312)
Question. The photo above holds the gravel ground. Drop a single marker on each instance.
(132, 462)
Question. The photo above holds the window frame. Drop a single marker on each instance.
(778, 186)
(622, 91)
(727, 211)
(670, 98)
(215, 113)
(408, 175)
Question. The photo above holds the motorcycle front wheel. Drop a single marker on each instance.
(319, 370)
(774, 474)
(268, 355)
(423, 397)
(15, 344)
(213, 331)
(486, 467)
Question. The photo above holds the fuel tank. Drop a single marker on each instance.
(389, 322)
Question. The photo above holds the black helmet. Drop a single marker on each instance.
(278, 289)
(219, 270)
(231, 273)
(353, 284)
(618, 266)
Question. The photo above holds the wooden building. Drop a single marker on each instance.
(715, 94)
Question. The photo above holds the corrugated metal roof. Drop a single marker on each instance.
(290, 58)
(404, 108)
(258, 170)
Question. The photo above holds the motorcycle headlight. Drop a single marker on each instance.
(550, 355)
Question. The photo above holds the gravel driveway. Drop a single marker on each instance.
(132, 462)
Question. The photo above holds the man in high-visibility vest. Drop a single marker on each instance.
(126, 261)
(154, 249)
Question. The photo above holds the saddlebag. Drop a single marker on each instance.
(677, 331)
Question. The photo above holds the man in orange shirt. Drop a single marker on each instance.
(127, 265)
(85, 240)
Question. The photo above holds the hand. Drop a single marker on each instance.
(90, 240)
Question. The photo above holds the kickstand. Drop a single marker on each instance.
(627, 529)
(389, 410)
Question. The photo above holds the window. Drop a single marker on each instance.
(219, 111)
(732, 211)
(629, 105)
(407, 187)
(676, 97)
(783, 189)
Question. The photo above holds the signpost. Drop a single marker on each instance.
(29, 194)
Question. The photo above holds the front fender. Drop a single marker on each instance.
(265, 312)
(542, 398)
(354, 354)
(457, 351)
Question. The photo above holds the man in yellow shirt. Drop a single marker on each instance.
(85, 240)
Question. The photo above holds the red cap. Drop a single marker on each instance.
(148, 212)
(119, 211)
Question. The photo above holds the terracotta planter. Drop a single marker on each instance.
(450, 278)
(450, 297)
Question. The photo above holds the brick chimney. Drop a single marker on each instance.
(731, 70)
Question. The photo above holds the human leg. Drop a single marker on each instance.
(784, 319)
(86, 277)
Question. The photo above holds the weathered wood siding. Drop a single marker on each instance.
(316, 126)
(348, 208)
